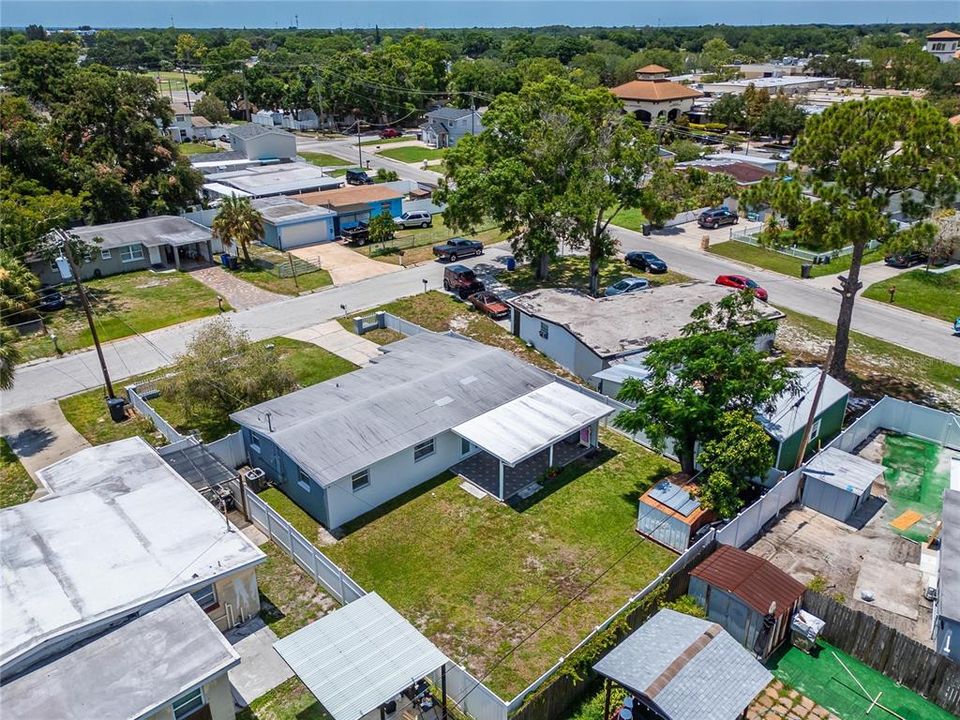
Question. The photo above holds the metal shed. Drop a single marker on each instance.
(670, 513)
(836, 483)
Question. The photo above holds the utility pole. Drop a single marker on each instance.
(473, 115)
(320, 99)
(359, 147)
(813, 408)
(246, 103)
(68, 253)
(186, 87)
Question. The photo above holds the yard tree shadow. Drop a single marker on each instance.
(29, 442)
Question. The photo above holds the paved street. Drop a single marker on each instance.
(347, 149)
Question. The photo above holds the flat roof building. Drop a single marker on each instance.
(946, 618)
(788, 85)
(276, 179)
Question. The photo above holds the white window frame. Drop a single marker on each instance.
(814, 429)
(131, 253)
(105, 254)
(207, 591)
(303, 480)
(544, 330)
(255, 443)
(362, 477)
(178, 704)
(55, 267)
(422, 450)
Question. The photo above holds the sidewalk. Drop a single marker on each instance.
(40, 436)
(332, 337)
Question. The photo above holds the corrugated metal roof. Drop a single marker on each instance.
(843, 470)
(197, 465)
(523, 427)
(792, 409)
(750, 578)
(691, 668)
(949, 587)
(358, 658)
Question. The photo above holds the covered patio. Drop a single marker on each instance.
(365, 661)
(519, 441)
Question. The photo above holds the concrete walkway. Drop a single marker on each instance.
(344, 265)
(332, 337)
(239, 293)
(40, 435)
(261, 669)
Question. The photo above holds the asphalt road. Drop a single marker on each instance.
(347, 149)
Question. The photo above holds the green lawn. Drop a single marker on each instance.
(87, 412)
(631, 219)
(16, 486)
(574, 271)
(123, 305)
(195, 148)
(262, 275)
(786, 264)
(934, 294)
(412, 154)
(476, 575)
(324, 159)
(175, 79)
(290, 700)
(388, 141)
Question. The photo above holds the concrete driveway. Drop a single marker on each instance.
(40, 435)
(344, 265)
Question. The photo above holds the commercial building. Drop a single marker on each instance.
(260, 142)
(788, 85)
(944, 45)
(652, 95)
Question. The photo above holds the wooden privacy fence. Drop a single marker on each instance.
(922, 669)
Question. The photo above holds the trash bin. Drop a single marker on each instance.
(116, 409)
(805, 269)
(646, 229)
(225, 259)
(511, 264)
(234, 262)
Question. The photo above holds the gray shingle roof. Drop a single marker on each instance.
(151, 232)
(715, 678)
(447, 113)
(422, 386)
(252, 130)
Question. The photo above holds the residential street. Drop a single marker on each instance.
(347, 149)
(46, 380)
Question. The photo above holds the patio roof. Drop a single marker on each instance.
(533, 422)
(843, 470)
(358, 658)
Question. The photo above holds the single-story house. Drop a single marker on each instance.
(444, 126)
(259, 142)
(652, 95)
(946, 608)
(678, 667)
(120, 534)
(288, 223)
(671, 514)
(170, 663)
(836, 483)
(202, 128)
(300, 120)
(159, 242)
(267, 180)
(738, 590)
(586, 335)
(355, 204)
(431, 403)
(267, 118)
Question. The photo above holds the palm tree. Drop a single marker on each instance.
(9, 357)
(238, 223)
(18, 286)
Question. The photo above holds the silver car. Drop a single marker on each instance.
(627, 285)
(416, 218)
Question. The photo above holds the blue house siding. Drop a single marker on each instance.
(351, 218)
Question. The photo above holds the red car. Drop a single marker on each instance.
(488, 303)
(390, 133)
(741, 282)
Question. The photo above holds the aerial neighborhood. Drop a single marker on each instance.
(564, 367)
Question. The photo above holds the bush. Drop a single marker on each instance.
(685, 150)
(384, 175)
(688, 606)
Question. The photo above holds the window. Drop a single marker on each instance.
(423, 450)
(465, 446)
(360, 480)
(544, 331)
(54, 266)
(131, 253)
(255, 442)
(187, 704)
(206, 597)
(304, 481)
(815, 429)
(939, 47)
(104, 254)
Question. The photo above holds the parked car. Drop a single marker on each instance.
(715, 217)
(457, 248)
(358, 234)
(390, 133)
(461, 280)
(785, 155)
(51, 299)
(741, 282)
(358, 177)
(906, 259)
(956, 327)
(490, 304)
(416, 218)
(627, 285)
(646, 261)
(224, 138)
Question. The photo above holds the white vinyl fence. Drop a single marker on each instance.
(902, 417)
(135, 398)
(380, 320)
(751, 236)
(751, 520)
(229, 450)
(472, 696)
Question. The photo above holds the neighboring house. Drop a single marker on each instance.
(301, 120)
(738, 589)
(944, 45)
(586, 335)
(431, 403)
(267, 118)
(120, 534)
(671, 514)
(744, 174)
(163, 241)
(946, 609)
(203, 129)
(445, 126)
(181, 129)
(289, 224)
(258, 142)
(678, 667)
(837, 483)
(355, 204)
(653, 95)
(168, 664)
(265, 179)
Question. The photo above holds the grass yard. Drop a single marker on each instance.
(417, 243)
(875, 368)
(631, 219)
(263, 275)
(172, 79)
(290, 700)
(413, 154)
(933, 294)
(322, 159)
(477, 576)
(785, 264)
(574, 271)
(388, 141)
(123, 305)
(16, 486)
(196, 148)
(88, 413)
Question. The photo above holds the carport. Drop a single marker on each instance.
(548, 427)
(360, 658)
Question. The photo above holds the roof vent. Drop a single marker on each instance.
(445, 400)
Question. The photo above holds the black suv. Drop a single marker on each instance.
(457, 248)
(716, 217)
(461, 280)
(906, 259)
(358, 177)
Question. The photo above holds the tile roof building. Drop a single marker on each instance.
(652, 95)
